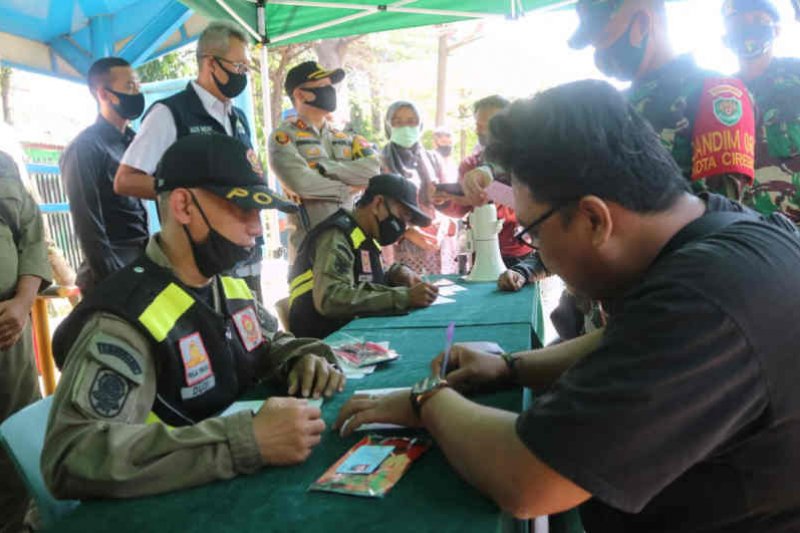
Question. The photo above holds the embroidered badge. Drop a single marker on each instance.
(304, 135)
(196, 364)
(366, 264)
(300, 124)
(255, 164)
(340, 135)
(108, 393)
(313, 151)
(281, 137)
(120, 353)
(347, 153)
(249, 330)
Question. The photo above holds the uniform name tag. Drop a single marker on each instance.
(196, 364)
(365, 277)
(366, 263)
(187, 393)
(248, 327)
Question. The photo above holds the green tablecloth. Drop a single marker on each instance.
(431, 496)
(482, 304)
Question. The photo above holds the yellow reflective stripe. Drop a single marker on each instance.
(377, 245)
(302, 278)
(301, 290)
(153, 418)
(162, 314)
(357, 237)
(235, 289)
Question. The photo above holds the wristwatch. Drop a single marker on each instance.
(424, 390)
(511, 362)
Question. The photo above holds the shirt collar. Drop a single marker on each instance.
(109, 131)
(212, 104)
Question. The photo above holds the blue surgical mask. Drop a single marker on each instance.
(405, 136)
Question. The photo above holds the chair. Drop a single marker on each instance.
(22, 435)
(282, 308)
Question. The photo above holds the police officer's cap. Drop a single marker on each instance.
(735, 7)
(219, 164)
(310, 71)
(400, 189)
(594, 16)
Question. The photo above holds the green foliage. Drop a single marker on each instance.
(177, 64)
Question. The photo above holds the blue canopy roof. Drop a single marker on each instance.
(63, 37)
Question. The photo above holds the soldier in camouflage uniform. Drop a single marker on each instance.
(631, 43)
(324, 167)
(752, 26)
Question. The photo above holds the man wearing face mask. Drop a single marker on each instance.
(322, 166)
(338, 274)
(111, 229)
(752, 27)
(205, 106)
(688, 107)
(163, 347)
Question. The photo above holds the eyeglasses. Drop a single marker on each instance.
(529, 235)
(239, 68)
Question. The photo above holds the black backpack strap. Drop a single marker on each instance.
(708, 224)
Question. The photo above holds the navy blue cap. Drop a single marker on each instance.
(594, 16)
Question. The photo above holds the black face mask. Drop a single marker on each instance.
(236, 82)
(130, 106)
(325, 97)
(749, 41)
(622, 60)
(390, 229)
(444, 151)
(216, 254)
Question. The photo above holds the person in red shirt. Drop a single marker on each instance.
(474, 174)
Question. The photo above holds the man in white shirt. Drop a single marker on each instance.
(203, 107)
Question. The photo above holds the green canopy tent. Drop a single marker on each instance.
(281, 22)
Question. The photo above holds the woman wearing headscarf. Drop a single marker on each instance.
(431, 249)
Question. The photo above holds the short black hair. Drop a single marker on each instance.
(100, 72)
(494, 101)
(584, 138)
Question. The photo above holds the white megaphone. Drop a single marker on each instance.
(484, 228)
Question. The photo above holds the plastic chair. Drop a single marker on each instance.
(22, 435)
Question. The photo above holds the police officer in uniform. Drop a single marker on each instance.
(162, 347)
(205, 106)
(631, 43)
(324, 167)
(752, 26)
(338, 273)
(24, 270)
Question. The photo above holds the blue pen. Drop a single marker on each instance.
(451, 329)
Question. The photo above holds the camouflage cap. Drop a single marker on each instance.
(731, 8)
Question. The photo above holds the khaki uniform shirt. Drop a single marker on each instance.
(23, 250)
(338, 295)
(88, 455)
(326, 168)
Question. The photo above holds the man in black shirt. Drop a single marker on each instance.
(111, 229)
(684, 414)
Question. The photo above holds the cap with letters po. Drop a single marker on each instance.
(222, 165)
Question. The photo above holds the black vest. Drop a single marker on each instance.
(191, 117)
(304, 319)
(204, 359)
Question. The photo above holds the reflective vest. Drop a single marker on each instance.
(304, 319)
(204, 359)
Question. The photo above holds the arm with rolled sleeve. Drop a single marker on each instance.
(82, 168)
(87, 454)
(156, 134)
(337, 294)
(294, 173)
